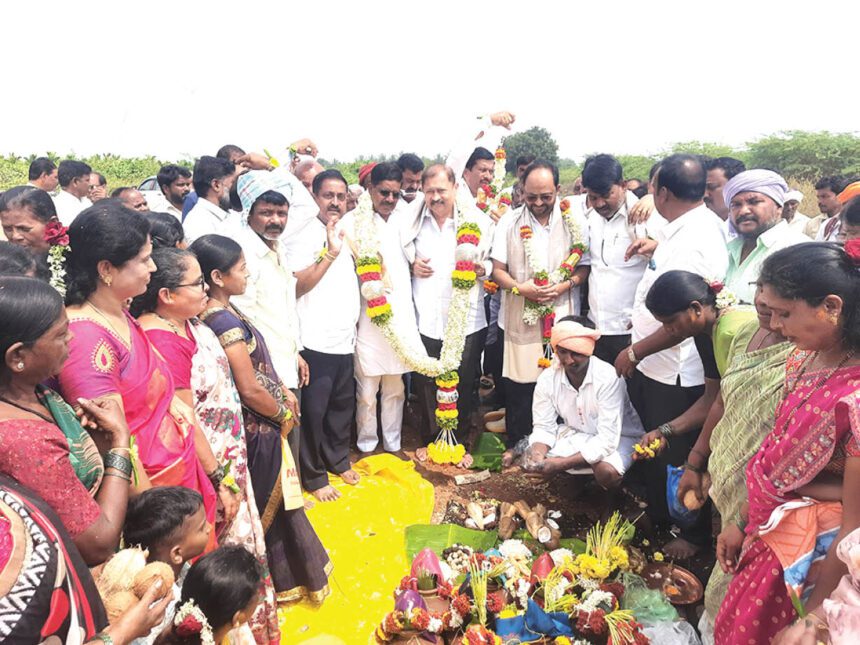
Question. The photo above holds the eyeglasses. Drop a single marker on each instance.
(389, 193)
(197, 283)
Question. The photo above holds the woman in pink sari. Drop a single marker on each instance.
(810, 460)
(111, 357)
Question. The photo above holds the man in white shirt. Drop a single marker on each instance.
(825, 227)
(213, 180)
(755, 198)
(174, 183)
(430, 240)
(378, 369)
(599, 426)
(42, 174)
(472, 159)
(516, 262)
(720, 170)
(411, 166)
(614, 276)
(796, 221)
(667, 378)
(131, 198)
(270, 298)
(328, 309)
(74, 178)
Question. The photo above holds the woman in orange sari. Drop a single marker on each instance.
(810, 460)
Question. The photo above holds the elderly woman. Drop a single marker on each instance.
(791, 509)
(42, 442)
(111, 357)
(755, 199)
(26, 212)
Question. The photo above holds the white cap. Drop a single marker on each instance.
(794, 195)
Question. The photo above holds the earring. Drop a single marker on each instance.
(106, 279)
(20, 365)
(833, 318)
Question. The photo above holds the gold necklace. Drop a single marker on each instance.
(169, 323)
(107, 320)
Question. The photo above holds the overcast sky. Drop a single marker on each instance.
(180, 78)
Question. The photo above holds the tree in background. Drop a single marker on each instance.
(535, 141)
(807, 155)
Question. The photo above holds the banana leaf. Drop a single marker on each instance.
(440, 536)
(574, 544)
(487, 453)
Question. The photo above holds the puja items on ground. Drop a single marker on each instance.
(521, 592)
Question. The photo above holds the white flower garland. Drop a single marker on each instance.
(454, 337)
(191, 610)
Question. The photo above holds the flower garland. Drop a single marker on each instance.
(533, 311)
(445, 448)
(489, 196)
(190, 620)
(724, 298)
(57, 236)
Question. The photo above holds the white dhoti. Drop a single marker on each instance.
(392, 398)
(569, 442)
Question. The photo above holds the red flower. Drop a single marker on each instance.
(447, 406)
(505, 200)
(420, 619)
(367, 277)
(852, 248)
(56, 234)
(592, 623)
(464, 265)
(484, 206)
(377, 302)
(468, 238)
(615, 588)
(461, 604)
(716, 286)
(564, 205)
(189, 626)
(495, 602)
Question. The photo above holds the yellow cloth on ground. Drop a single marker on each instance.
(363, 532)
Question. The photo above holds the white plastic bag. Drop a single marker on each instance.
(675, 633)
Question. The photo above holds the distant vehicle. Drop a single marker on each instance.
(150, 183)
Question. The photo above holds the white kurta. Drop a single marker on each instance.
(597, 421)
(372, 350)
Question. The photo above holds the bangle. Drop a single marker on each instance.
(631, 355)
(126, 478)
(118, 462)
(695, 469)
(120, 449)
(666, 430)
(700, 453)
(515, 290)
(217, 475)
(328, 256)
(741, 524)
(822, 624)
(104, 637)
(283, 414)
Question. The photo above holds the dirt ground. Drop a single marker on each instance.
(580, 505)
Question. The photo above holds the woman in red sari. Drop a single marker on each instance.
(111, 357)
(809, 461)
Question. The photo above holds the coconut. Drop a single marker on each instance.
(147, 577)
(117, 603)
(465, 253)
(120, 570)
(691, 502)
(373, 289)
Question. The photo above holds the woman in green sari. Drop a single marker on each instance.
(43, 442)
(738, 422)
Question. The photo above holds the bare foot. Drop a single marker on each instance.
(466, 461)
(421, 454)
(308, 504)
(350, 477)
(680, 549)
(508, 457)
(327, 493)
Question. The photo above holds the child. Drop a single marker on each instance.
(170, 522)
(219, 595)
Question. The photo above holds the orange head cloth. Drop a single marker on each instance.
(574, 337)
(851, 191)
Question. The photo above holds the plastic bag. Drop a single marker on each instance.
(677, 511)
(675, 633)
(648, 605)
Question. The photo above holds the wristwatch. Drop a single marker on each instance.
(631, 355)
(217, 475)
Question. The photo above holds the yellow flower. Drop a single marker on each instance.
(507, 613)
(658, 557)
(618, 557)
(562, 640)
(368, 268)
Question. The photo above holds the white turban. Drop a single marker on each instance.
(759, 180)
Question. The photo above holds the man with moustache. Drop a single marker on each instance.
(378, 369)
(328, 308)
(174, 183)
(755, 199)
(514, 272)
(430, 241)
(410, 186)
(213, 180)
(720, 170)
(598, 427)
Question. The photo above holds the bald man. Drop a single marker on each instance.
(306, 171)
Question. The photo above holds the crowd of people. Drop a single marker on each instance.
(181, 364)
